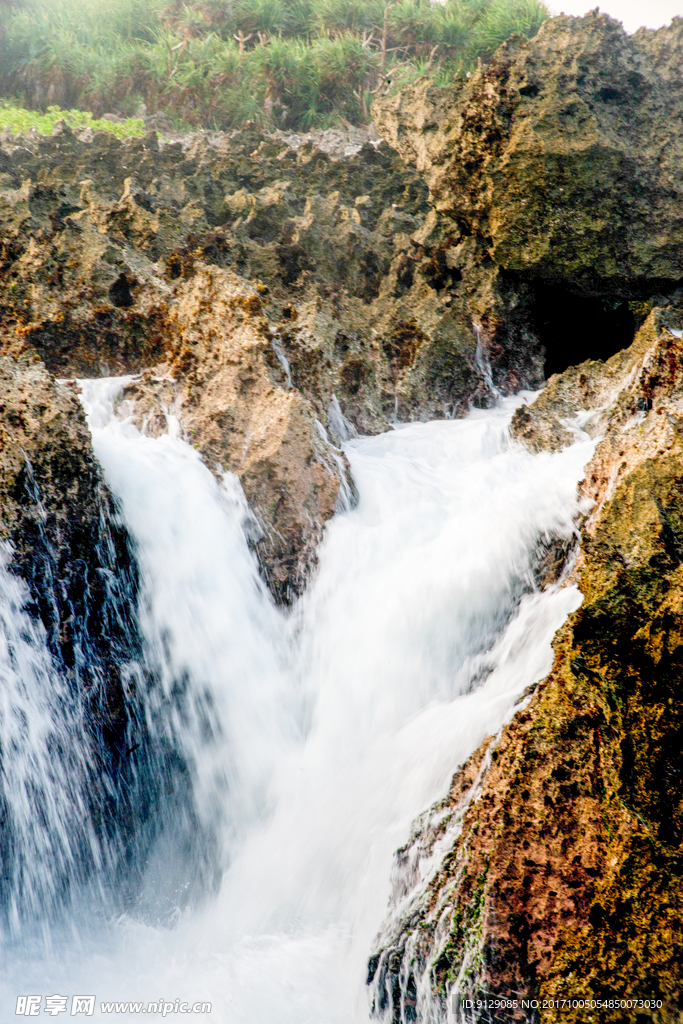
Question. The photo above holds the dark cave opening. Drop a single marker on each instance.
(573, 328)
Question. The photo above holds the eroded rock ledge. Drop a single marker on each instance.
(280, 293)
(259, 282)
(563, 876)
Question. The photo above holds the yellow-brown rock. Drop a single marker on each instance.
(224, 383)
(558, 166)
(273, 285)
(562, 153)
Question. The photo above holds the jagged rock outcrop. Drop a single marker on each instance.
(558, 168)
(238, 407)
(264, 280)
(272, 280)
(563, 876)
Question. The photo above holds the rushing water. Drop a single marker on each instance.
(307, 742)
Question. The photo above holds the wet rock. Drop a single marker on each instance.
(225, 384)
(547, 234)
(61, 535)
(559, 868)
(277, 286)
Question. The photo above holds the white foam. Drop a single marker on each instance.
(334, 726)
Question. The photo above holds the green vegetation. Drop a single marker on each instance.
(19, 120)
(216, 63)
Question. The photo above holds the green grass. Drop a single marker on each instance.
(19, 120)
(215, 63)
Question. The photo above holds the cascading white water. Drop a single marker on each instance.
(212, 635)
(312, 740)
(46, 831)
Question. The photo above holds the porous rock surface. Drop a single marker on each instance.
(558, 168)
(265, 282)
(559, 848)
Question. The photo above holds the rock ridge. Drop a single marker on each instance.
(267, 268)
(280, 293)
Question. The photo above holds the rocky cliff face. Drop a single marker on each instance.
(280, 293)
(557, 168)
(265, 284)
(559, 865)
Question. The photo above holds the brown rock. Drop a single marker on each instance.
(273, 285)
(559, 164)
(227, 387)
(563, 152)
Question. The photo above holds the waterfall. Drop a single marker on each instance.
(213, 640)
(305, 743)
(45, 777)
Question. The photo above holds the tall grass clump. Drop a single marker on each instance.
(215, 63)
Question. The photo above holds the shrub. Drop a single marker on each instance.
(19, 120)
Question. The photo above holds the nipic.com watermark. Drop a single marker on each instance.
(32, 1006)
